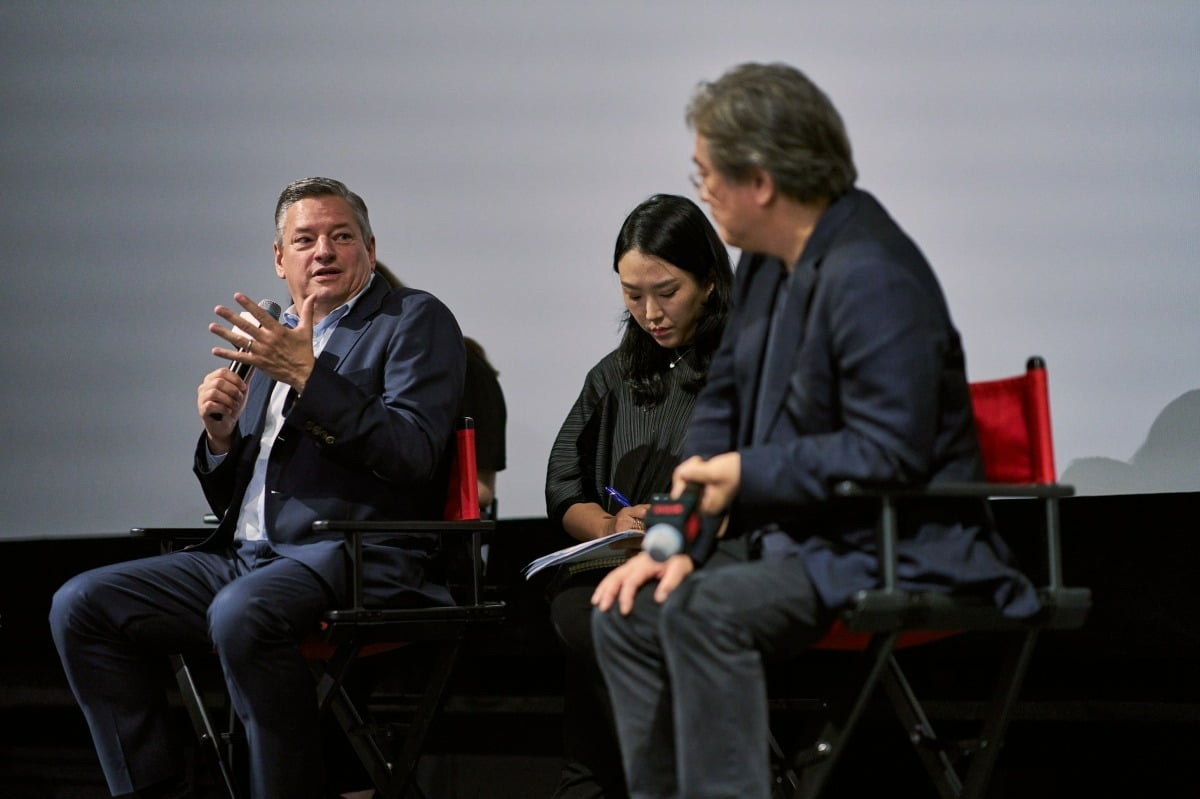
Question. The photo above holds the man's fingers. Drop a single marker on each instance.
(625, 598)
(603, 595)
(621, 585)
(220, 393)
(677, 567)
(306, 311)
(713, 501)
(690, 471)
(241, 326)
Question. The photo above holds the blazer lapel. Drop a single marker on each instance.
(257, 398)
(793, 323)
(787, 338)
(349, 330)
(763, 275)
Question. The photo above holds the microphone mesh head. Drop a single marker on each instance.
(662, 541)
(271, 307)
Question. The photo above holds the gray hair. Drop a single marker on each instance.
(772, 117)
(320, 187)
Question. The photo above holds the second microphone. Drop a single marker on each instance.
(672, 524)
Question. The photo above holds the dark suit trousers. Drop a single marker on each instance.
(114, 625)
(687, 678)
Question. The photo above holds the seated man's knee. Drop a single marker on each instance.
(68, 602)
(612, 631)
(700, 609)
(242, 622)
(236, 619)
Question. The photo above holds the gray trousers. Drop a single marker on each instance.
(114, 625)
(687, 680)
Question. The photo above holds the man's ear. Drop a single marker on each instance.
(278, 260)
(763, 186)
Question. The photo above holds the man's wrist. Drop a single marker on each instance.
(212, 458)
(298, 384)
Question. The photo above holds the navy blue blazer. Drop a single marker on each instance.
(369, 438)
(866, 381)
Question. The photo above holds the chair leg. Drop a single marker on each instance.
(414, 741)
(206, 734)
(333, 698)
(1008, 687)
(786, 782)
(391, 778)
(372, 757)
(920, 731)
(816, 763)
(981, 756)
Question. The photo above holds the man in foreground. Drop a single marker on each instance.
(840, 362)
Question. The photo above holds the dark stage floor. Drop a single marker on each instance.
(1109, 710)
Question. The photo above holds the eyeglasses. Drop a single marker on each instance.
(699, 182)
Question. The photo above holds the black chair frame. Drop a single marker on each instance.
(348, 634)
(960, 768)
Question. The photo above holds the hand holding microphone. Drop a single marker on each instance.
(241, 368)
(672, 525)
(706, 486)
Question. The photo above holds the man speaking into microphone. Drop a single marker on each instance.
(347, 413)
(840, 361)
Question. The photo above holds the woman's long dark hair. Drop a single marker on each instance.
(675, 230)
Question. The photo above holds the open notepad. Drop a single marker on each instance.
(586, 550)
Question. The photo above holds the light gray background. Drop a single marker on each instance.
(1046, 156)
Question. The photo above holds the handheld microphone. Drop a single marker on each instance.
(672, 524)
(243, 370)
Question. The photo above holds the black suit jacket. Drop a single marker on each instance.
(865, 380)
(368, 439)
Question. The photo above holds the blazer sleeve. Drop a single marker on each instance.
(389, 412)
(217, 483)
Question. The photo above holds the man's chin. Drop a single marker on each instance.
(325, 299)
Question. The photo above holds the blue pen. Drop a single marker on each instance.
(618, 496)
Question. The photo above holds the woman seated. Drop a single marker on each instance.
(625, 432)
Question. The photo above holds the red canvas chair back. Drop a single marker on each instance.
(1012, 419)
(462, 496)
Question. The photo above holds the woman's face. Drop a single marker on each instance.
(666, 301)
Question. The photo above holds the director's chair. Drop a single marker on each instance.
(1012, 417)
(388, 750)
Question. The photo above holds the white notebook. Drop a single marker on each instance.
(585, 550)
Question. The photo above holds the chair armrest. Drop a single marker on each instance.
(876, 611)
(355, 532)
(892, 497)
(849, 488)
